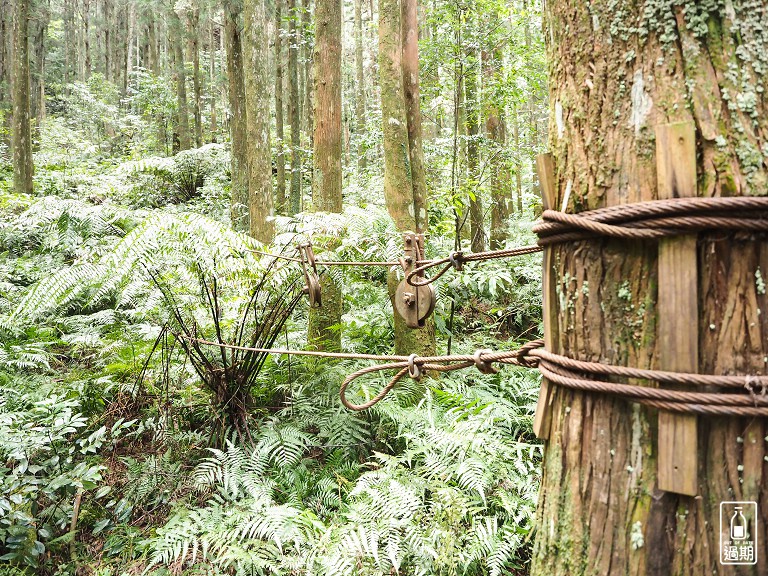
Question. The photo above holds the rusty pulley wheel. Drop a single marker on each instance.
(415, 303)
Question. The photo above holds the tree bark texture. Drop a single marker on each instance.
(359, 87)
(496, 132)
(237, 123)
(410, 63)
(472, 118)
(306, 57)
(617, 71)
(280, 199)
(257, 98)
(193, 55)
(21, 134)
(182, 111)
(398, 184)
(294, 106)
(326, 180)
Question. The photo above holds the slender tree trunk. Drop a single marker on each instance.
(518, 165)
(237, 122)
(326, 172)
(39, 23)
(398, 185)
(472, 118)
(21, 136)
(411, 94)
(359, 88)
(6, 65)
(533, 136)
(600, 510)
(212, 83)
(280, 197)
(193, 55)
(306, 56)
(257, 98)
(86, 18)
(182, 125)
(294, 114)
(130, 42)
(496, 131)
(107, 15)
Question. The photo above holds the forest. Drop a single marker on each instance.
(155, 156)
(273, 299)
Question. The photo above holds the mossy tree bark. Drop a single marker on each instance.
(257, 100)
(323, 332)
(618, 70)
(21, 134)
(408, 210)
(237, 123)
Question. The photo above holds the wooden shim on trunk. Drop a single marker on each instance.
(543, 418)
(678, 309)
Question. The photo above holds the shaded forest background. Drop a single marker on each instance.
(150, 151)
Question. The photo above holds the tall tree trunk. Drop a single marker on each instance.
(39, 23)
(496, 131)
(306, 57)
(472, 117)
(600, 510)
(257, 98)
(212, 82)
(107, 16)
(294, 114)
(193, 55)
(533, 135)
(410, 64)
(398, 185)
(6, 66)
(182, 124)
(326, 158)
(518, 165)
(280, 198)
(21, 136)
(359, 88)
(130, 42)
(237, 122)
(86, 19)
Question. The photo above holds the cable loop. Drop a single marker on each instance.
(414, 371)
(483, 366)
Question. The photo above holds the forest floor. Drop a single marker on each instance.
(118, 458)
